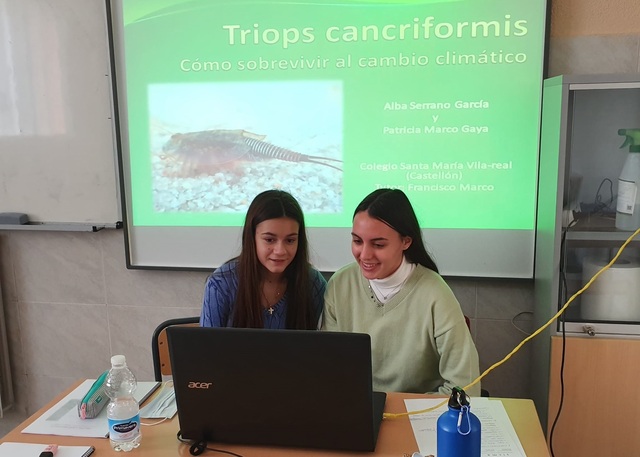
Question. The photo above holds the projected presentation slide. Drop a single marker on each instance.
(221, 100)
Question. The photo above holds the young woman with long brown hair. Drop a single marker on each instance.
(271, 284)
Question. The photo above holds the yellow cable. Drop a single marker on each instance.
(534, 334)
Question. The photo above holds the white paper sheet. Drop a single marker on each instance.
(498, 437)
(62, 418)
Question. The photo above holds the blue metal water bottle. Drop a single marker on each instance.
(458, 431)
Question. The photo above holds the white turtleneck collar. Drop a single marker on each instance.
(386, 288)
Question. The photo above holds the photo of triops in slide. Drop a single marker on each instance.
(214, 146)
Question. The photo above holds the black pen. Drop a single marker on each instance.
(49, 451)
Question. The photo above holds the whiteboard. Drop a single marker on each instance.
(57, 148)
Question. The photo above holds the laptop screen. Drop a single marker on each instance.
(297, 388)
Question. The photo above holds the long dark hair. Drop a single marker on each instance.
(392, 207)
(273, 204)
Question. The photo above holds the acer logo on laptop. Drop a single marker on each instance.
(199, 385)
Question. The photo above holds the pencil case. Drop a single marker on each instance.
(95, 399)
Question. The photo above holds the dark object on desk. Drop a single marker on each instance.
(14, 218)
(49, 451)
(299, 388)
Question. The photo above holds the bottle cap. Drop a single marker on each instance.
(458, 398)
(118, 361)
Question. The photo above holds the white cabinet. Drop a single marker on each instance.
(580, 162)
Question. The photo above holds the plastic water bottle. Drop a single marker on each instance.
(458, 429)
(123, 410)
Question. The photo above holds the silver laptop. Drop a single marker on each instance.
(300, 388)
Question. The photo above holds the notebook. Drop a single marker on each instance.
(299, 388)
(8, 449)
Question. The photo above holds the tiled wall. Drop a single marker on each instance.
(70, 302)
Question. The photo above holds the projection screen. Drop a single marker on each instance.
(220, 100)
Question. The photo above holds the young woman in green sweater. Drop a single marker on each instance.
(419, 338)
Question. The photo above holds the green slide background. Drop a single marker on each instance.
(480, 172)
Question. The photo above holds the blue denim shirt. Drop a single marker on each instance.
(220, 296)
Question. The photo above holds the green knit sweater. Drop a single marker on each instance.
(419, 339)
